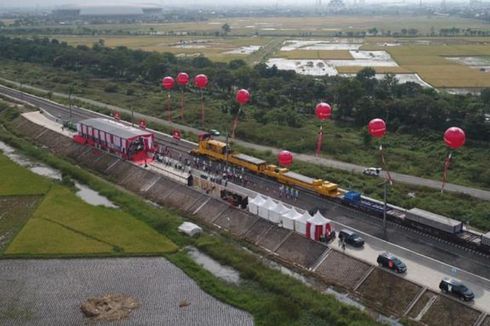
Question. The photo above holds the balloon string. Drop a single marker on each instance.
(384, 164)
(182, 105)
(169, 109)
(235, 123)
(447, 161)
(202, 109)
(319, 141)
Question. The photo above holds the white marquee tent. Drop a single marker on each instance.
(254, 203)
(263, 208)
(276, 215)
(288, 218)
(300, 223)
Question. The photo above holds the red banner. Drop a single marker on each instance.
(176, 134)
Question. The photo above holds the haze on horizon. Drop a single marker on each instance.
(175, 3)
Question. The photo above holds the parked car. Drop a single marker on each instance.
(214, 132)
(352, 238)
(392, 262)
(372, 171)
(455, 287)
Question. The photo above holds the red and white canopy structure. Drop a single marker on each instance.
(318, 226)
(129, 142)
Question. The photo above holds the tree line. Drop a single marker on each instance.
(278, 97)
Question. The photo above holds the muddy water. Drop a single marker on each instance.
(223, 272)
(93, 197)
(88, 195)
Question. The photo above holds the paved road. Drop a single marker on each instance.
(404, 178)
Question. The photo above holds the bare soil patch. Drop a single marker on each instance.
(109, 307)
(387, 292)
(448, 312)
(301, 250)
(342, 269)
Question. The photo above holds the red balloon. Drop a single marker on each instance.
(377, 128)
(454, 137)
(168, 83)
(242, 96)
(182, 79)
(201, 81)
(323, 111)
(285, 158)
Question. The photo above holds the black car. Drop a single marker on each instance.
(455, 287)
(389, 261)
(350, 237)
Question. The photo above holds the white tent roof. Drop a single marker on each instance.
(259, 200)
(281, 209)
(318, 219)
(304, 218)
(292, 214)
(270, 204)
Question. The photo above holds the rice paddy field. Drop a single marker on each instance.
(442, 62)
(41, 217)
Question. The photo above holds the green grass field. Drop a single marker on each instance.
(65, 224)
(16, 180)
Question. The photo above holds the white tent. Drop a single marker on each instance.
(271, 207)
(254, 203)
(288, 218)
(300, 223)
(276, 215)
(263, 208)
(318, 226)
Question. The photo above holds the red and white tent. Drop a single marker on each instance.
(318, 226)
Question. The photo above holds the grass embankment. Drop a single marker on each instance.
(272, 298)
(422, 155)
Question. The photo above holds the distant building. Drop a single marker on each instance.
(66, 13)
(107, 11)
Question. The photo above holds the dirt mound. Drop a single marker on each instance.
(109, 307)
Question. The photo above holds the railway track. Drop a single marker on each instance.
(471, 260)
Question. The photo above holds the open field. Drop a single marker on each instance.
(317, 26)
(214, 48)
(423, 55)
(50, 292)
(65, 224)
(17, 180)
(306, 54)
(14, 212)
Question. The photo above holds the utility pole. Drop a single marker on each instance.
(70, 93)
(384, 207)
(132, 116)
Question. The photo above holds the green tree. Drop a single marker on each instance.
(226, 28)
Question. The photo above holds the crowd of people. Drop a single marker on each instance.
(218, 172)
